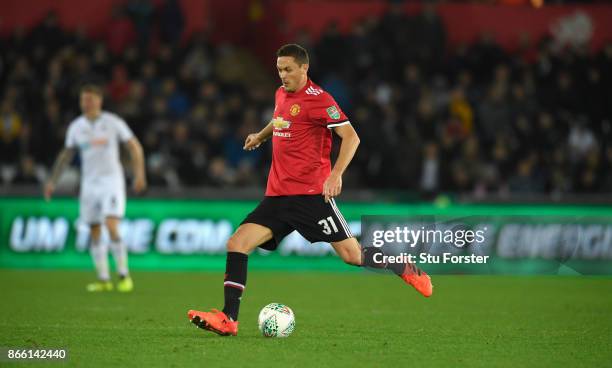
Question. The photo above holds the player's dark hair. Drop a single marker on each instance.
(296, 51)
(92, 88)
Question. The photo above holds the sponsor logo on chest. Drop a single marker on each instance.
(279, 125)
(92, 138)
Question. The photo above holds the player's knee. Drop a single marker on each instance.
(112, 225)
(352, 258)
(235, 244)
(114, 235)
(95, 233)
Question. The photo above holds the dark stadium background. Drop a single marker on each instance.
(488, 112)
(498, 110)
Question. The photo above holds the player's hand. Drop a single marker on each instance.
(140, 184)
(49, 189)
(332, 186)
(252, 142)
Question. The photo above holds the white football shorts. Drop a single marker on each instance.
(96, 204)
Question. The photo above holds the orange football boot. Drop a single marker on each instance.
(214, 321)
(418, 279)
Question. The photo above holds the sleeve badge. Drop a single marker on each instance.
(333, 112)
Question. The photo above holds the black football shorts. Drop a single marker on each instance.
(314, 219)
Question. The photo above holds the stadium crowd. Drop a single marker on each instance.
(472, 119)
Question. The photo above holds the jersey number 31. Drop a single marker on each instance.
(326, 223)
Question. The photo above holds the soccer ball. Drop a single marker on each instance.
(276, 320)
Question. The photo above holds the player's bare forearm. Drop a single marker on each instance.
(348, 147)
(266, 132)
(63, 159)
(350, 140)
(137, 158)
(254, 140)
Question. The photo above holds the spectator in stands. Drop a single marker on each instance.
(26, 173)
(11, 126)
(141, 13)
(171, 21)
(119, 86)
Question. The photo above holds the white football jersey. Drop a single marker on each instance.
(98, 145)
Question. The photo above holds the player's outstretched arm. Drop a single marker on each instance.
(137, 157)
(350, 140)
(256, 139)
(63, 159)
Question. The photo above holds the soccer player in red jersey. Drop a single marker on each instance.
(301, 188)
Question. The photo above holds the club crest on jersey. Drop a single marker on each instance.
(280, 123)
(294, 110)
(333, 112)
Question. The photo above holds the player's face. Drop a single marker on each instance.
(291, 73)
(91, 103)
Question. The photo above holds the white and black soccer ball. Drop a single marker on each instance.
(276, 320)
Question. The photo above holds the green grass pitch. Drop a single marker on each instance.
(342, 320)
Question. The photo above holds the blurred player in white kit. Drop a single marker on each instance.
(96, 135)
